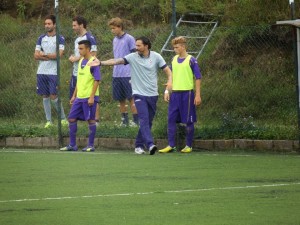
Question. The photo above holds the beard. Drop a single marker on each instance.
(49, 29)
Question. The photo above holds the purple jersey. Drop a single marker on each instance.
(123, 46)
(194, 66)
(95, 71)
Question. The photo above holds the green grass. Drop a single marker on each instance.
(123, 188)
(207, 128)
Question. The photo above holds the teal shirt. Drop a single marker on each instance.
(144, 72)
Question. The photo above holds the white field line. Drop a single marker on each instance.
(106, 152)
(147, 193)
(110, 152)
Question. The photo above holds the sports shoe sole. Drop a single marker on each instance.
(170, 151)
(88, 150)
(153, 150)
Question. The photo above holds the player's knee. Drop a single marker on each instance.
(91, 122)
(53, 97)
(72, 120)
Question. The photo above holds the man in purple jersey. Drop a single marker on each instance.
(45, 53)
(85, 98)
(182, 100)
(79, 26)
(123, 44)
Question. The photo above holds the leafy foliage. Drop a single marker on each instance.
(230, 12)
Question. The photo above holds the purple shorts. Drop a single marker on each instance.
(46, 84)
(80, 110)
(121, 88)
(182, 108)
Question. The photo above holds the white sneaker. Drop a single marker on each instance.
(139, 150)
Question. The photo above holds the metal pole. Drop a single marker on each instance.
(295, 33)
(292, 4)
(60, 138)
(174, 18)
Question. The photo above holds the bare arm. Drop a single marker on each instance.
(74, 58)
(52, 56)
(74, 96)
(91, 98)
(198, 100)
(39, 55)
(110, 62)
(168, 72)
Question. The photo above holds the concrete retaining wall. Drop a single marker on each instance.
(122, 143)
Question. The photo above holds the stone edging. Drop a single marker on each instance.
(123, 143)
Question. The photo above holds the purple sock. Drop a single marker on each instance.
(172, 134)
(92, 128)
(73, 131)
(189, 134)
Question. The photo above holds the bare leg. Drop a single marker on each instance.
(134, 112)
(123, 111)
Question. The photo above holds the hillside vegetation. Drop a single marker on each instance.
(230, 12)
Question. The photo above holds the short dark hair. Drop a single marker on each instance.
(145, 41)
(51, 17)
(80, 20)
(86, 43)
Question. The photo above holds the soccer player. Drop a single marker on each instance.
(182, 100)
(79, 26)
(144, 67)
(123, 44)
(85, 98)
(45, 53)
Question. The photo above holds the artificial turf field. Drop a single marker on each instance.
(41, 187)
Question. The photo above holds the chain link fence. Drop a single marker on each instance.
(248, 82)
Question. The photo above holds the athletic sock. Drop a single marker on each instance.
(172, 127)
(47, 108)
(125, 119)
(189, 134)
(62, 113)
(135, 119)
(92, 129)
(72, 132)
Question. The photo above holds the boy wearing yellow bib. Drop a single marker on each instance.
(183, 99)
(85, 98)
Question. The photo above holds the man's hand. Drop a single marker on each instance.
(72, 59)
(95, 62)
(197, 100)
(42, 56)
(91, 101)
(168, 86)
(167, 96)
(72, 100)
